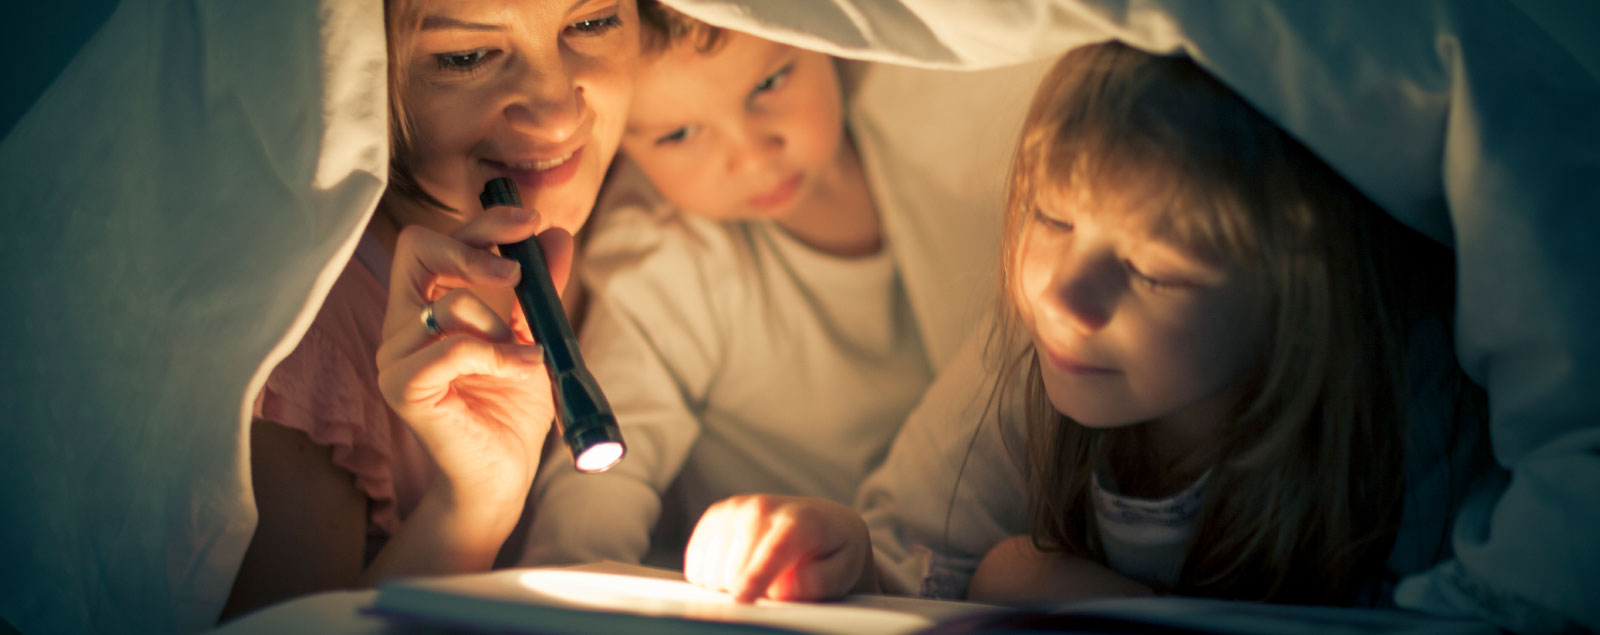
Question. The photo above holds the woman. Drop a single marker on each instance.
(427, 475)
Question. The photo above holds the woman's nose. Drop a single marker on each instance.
(547, 105)
(1084, 291)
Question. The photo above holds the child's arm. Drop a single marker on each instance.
(781, 547)
(1016, 572)
(952, 485)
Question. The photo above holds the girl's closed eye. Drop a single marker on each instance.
(1161, 282)
(678, 136)
(1051, 223)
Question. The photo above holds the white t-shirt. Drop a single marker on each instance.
(1146, 539)
(737, 360)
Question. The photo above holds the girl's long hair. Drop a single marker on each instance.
(1304, 498)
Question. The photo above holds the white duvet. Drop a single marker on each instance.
(178, 202)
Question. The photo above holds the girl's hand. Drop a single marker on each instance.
(1016, 572)
(783, 548)
(474, 389)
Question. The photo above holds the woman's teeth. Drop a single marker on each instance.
(540, 166)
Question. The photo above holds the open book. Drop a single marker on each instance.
(616, 598)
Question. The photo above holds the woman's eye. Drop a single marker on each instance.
(596, 26)
(463, 62)
(677, 136)
(774, 81)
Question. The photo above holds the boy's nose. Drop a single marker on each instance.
(752, 147)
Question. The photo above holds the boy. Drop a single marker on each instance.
(749, 323)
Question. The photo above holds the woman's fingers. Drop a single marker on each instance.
(556, 244)
(457, 312)
(499, 225)
(425, 376)
(427, 263)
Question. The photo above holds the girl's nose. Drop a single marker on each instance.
(752, 146)
(547, 104)
(1084, 290)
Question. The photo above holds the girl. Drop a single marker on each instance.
(420, 463)
(1225, 344)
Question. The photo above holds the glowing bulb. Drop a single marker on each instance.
(599, 457)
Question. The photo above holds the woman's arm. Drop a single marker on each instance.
(311, 523)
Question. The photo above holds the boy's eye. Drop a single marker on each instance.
(595, 26)
(677, 136)
(774, 81)
(463, 62)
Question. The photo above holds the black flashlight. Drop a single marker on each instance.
(582, 414)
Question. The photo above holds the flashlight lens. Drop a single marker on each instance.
(600, 457)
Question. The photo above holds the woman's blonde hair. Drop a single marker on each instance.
(402, 20)
(1304, 496)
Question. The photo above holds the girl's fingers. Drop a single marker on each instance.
(457, 312)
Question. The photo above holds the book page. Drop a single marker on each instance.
(610, 597)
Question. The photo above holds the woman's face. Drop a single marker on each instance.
(534, 90)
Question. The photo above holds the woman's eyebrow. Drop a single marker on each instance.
(441, 23)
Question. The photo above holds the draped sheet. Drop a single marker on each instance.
(179, 200)
(175, 206)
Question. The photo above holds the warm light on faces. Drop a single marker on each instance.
(744, 131)
(1131, 328)
(534, 90)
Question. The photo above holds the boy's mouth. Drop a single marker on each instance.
(777, 195)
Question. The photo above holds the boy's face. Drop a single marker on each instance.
(740, 132)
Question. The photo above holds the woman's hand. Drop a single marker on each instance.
(1016, 572)
(474, 389)
(783, 548)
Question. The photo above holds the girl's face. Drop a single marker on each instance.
(743, 131)
(1130, 328)
(534, 90)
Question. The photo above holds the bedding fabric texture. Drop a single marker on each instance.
(181, 197)
(176, 204)
(1473, 122)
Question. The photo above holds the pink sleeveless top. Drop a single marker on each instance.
(328, 388)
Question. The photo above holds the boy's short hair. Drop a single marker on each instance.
(661, 27)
